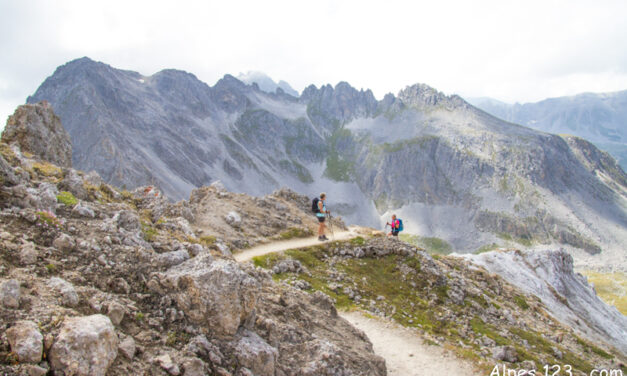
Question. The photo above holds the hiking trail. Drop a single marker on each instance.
(404, 351)
(283, 245)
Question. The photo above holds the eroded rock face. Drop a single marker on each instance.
(214, 292)
(85, 346)
(26, 341)
(37, 130)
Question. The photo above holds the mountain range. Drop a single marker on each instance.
(599, 118)
(266, 83)
(450, 170)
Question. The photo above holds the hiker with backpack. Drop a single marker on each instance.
(396, 226)
(319, 209)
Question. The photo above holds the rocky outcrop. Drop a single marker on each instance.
(121, 283)
(38, 130)
(549, 275)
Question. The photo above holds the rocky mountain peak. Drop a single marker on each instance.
(36, 129)
(422, 95)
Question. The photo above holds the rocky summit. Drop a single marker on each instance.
(450, 170)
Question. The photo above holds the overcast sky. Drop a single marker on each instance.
(510, 50)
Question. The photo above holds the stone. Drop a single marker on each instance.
(164, 361)
(233, 219)
(172, 258)
(256, 354)
(10, 293)
(33, 370)
(64, 243)
(557, 353)
(128, 348)
(28, 254)
(288, 265)
(85, 346)
(505, 353)
(116, 313)
(83, 210)
(7, 174)
(37, 130)
(128, 221)
(26, 341)
(193, 367)
(69, 297)
(195, 249)
(72, 182)
(216, 293)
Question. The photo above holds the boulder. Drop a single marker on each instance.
(256, 354)
(7, 175)
(85, 346)
(73, 183)
(10, 293)
(116, 312)
(26, 341)
(193, 367)
(217, 293)
(37, 130)
(83, 210)
(233, 219)
(128, 220)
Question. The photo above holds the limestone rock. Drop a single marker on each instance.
(256, 354)
(26, 341)
(64, 243)
(233, 219)
(165, 362)
(69, 297)
(10, 293)
(85, 346)
(7, 175)
(216, 293)
(505, 353)
(28, 254)
(128, 220)
(73, 183)
(127, 348)
(172, 258)
(83, 210)
(193, 367)
(116, 312)
(37, 130)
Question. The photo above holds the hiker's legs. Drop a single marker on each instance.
(321, 227)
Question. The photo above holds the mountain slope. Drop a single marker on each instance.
(266, 83)
(599, 118)
(450, 170)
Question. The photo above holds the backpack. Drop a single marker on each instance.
(314, 205)
(400, 224)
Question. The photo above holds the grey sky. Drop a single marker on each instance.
(509, 50)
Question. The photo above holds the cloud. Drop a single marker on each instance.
(515, 51)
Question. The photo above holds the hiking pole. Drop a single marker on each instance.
(331, 226)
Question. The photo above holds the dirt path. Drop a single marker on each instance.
(404, 352)
(278, 246)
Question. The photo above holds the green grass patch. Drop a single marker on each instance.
(358, 241)
(611, 288)
(207, 241)
(47, 169)
(487, 248)
(521, 302)
(432, 244)
(149, 233)
(481, 328)
(67, 198)
(295, 232)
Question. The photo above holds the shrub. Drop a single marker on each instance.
(47, 219)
